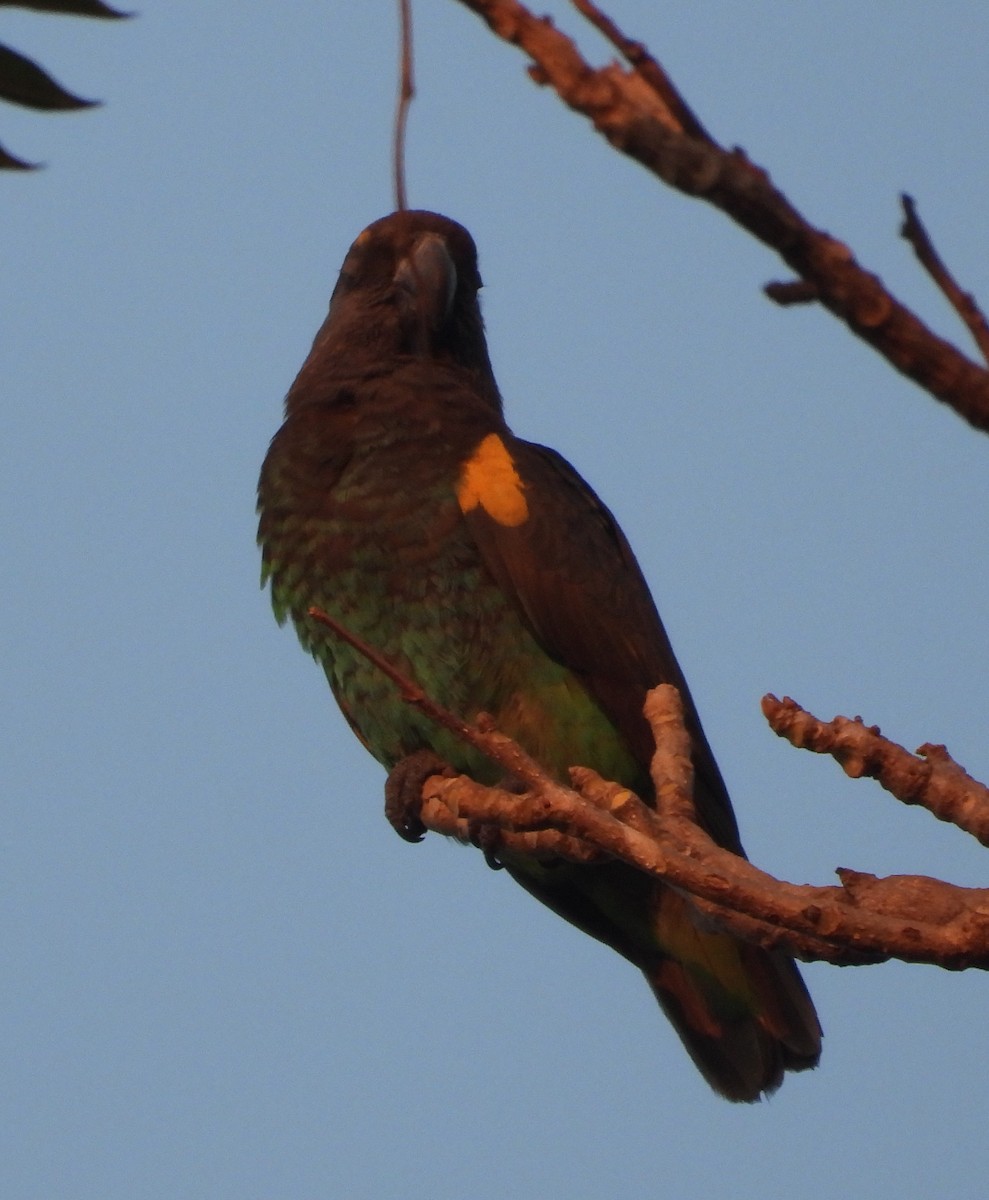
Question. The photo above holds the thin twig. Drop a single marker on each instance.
(962, 302)
(792, 291)
(482, 735)
(638, 56)
(406, 92)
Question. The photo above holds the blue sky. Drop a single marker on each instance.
(223, 974)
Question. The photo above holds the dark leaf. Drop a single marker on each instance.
(79, 8)
(24, 82)
(9, 163)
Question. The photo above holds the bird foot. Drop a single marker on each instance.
(403, 792)
(488, 839)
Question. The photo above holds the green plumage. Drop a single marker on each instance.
(395, 497)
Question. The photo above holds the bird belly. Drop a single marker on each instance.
(430, 607)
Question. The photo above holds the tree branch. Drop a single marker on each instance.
(930, 779)
(864, 920)
(642, 114)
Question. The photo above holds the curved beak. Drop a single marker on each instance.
(426, 279)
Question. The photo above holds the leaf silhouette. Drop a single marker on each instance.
(79, 8)
(10, 163)
(23, 81)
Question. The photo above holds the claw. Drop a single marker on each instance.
(403, 792)
(487, 838)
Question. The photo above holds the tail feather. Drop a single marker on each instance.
(743, 1014)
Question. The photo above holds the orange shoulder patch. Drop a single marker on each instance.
(489, 479)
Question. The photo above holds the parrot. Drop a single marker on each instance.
(395, 498)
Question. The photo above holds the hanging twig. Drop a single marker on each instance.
(406, 92)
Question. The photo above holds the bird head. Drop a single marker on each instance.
(407, 289)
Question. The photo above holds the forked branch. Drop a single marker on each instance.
(865, 919)
(641, 113)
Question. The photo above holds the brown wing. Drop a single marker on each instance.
(571, 572)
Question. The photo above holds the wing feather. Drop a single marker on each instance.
(572, 574)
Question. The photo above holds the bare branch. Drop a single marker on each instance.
(644, 116)
(682, 117)
(671, 768)
(930, 779)
(865, 920)
(962, 302)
